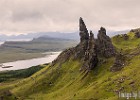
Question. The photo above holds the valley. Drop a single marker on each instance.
(21, 50)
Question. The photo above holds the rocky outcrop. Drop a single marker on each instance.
(64, 56)
(137, 34)
(89, 50)
(90, 57)
(81, 48)
(93, 59)
(125, 36)
(119, 62)
(87, 47)
(104, 44)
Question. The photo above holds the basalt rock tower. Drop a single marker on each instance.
(88, 45)
(104, 44)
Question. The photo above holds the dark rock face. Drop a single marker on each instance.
(119, 62)
(125, 36)
(93, 59)
(64, 56)
(137, 34)
(104, 44)
(90, 57)
(81, 48)
(84, 35)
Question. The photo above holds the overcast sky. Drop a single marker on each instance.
(25, 16)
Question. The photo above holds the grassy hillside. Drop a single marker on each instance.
(131, 43)
(66, 82)
(19, 74)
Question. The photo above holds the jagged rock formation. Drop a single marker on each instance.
(84, 35)
(137, 32)
(94, 48)
(64, 56)
(119, 63)
(125, 36)
(90, 57)
(81, 48)
(93, 59)
(104, 44)
(89, 50)
(87, 46)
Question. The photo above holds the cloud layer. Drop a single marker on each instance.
(24, 16)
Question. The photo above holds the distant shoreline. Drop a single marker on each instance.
(23, 64)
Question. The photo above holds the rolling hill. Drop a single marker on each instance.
(19, 50)
(95, 69)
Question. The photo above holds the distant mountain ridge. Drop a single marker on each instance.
(41, 44)
(40, 34)
(72, 35)
(47, 38)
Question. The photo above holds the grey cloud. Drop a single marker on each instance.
(21, 16)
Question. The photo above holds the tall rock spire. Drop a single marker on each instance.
(105, 46)
(90, 50)
(84, 35)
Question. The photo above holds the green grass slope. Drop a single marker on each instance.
(19, 74)
(130, 44)
(67, 82)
